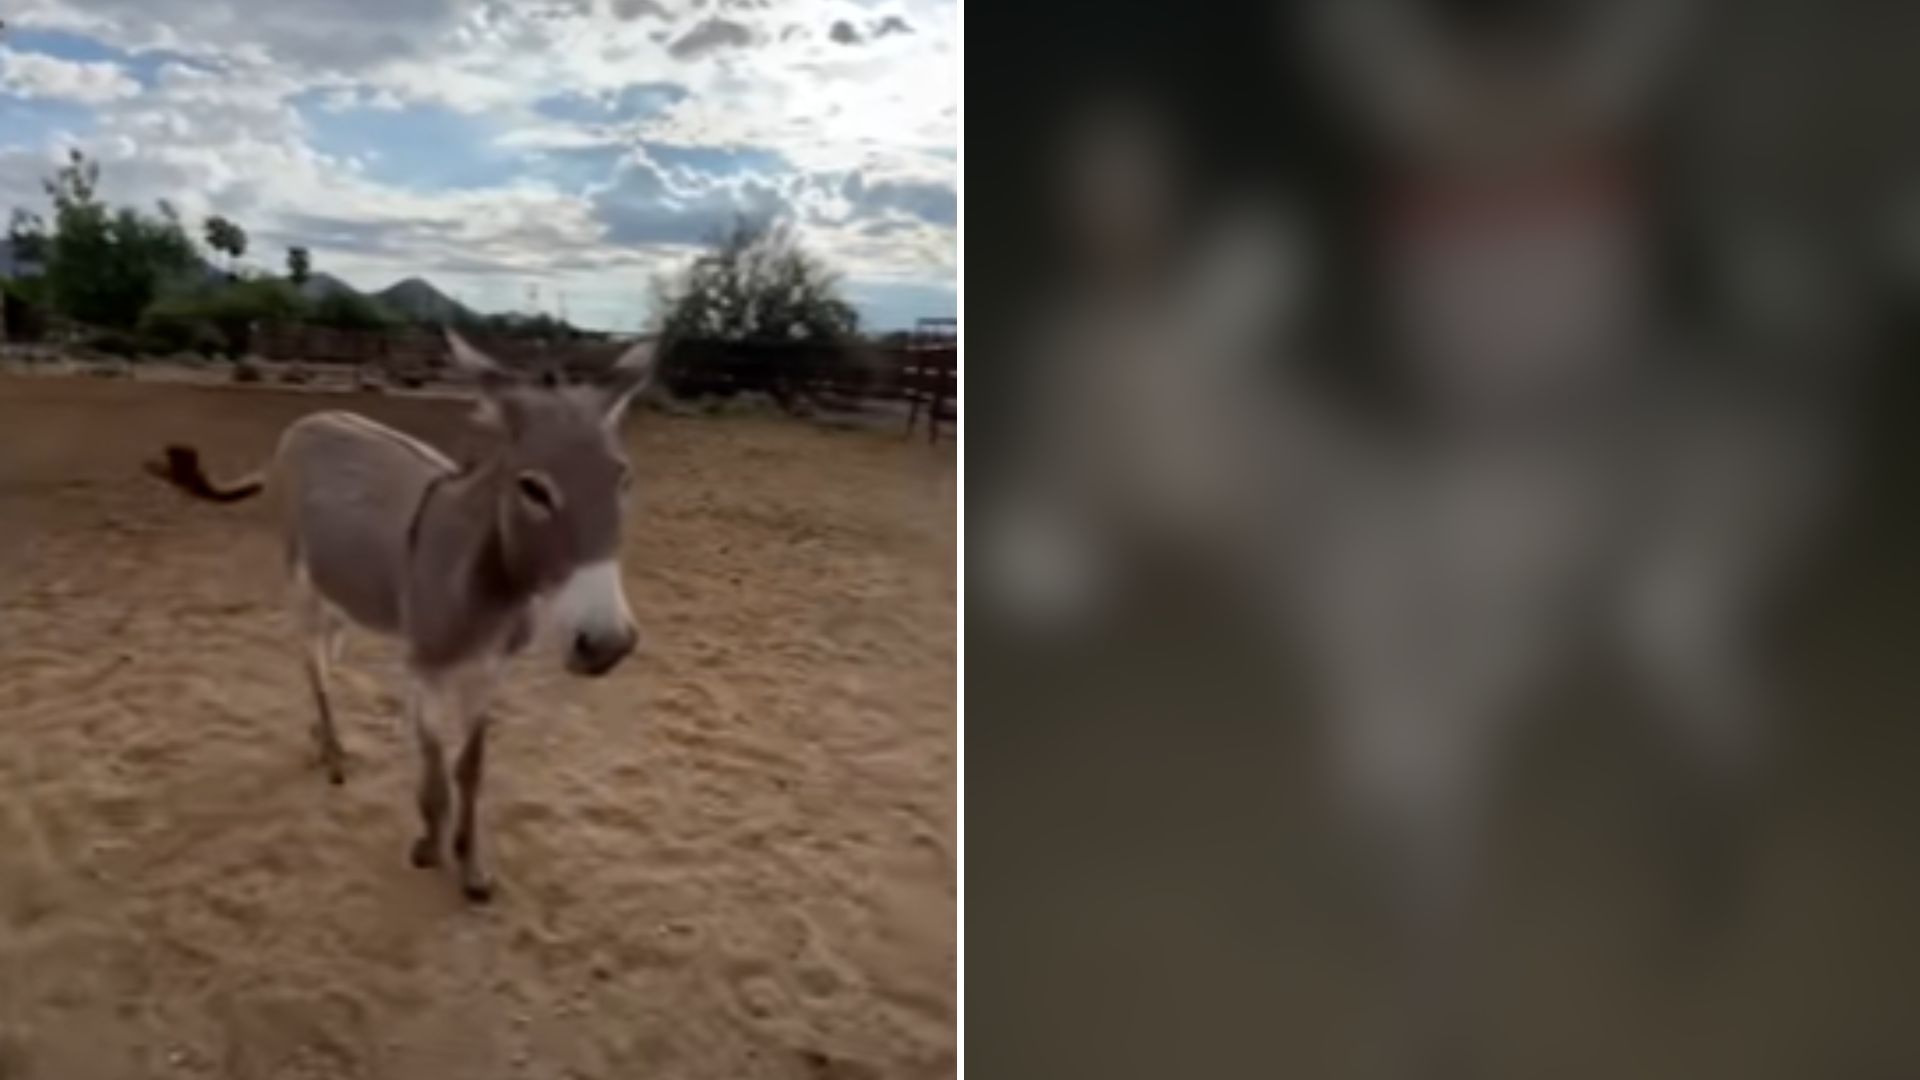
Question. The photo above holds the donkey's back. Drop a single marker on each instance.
(349, 489)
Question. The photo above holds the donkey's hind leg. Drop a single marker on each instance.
(321, 628)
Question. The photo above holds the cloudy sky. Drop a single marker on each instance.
(497, 147)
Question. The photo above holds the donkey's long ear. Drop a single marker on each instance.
(477, 365)
(630, 374)
(492, 379)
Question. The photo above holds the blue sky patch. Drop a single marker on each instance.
(144, 66)
(635, 101)
(894, 306)
(576, 168)
(933, 203)
(639, 209)
(422, 147)
(30, 122)
(716, 160)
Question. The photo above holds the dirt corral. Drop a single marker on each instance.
(733, 857)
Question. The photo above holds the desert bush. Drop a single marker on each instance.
(112, 343)
(350, 311)
(246, 371)
(756, 282)
(192, 318)
(671, 405)
(103, 266)
(171, 329)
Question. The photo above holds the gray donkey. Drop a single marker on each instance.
(458, 562)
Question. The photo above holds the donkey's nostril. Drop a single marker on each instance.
(597, 654)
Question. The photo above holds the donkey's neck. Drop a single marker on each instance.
(465, 594)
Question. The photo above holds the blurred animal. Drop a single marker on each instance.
(1541, 467)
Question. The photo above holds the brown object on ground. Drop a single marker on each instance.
(733, 857)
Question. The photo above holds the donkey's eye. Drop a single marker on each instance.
(539, 491)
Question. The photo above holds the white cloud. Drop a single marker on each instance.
(299, 37)
(711, 36)
(35, 75)
(226, 134)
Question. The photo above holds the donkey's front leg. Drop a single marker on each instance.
(471, 693)
(433, 795)
(467, 771)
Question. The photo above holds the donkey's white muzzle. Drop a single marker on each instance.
(590, 614)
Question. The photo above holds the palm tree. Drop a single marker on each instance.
(226, 237)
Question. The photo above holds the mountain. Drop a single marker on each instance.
(319, 284)
(418, 300)
(414, 298)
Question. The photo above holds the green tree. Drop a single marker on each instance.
(104, 266)
(350, 311)
(27, 234)
(225, 236)
(756, 283)
(299, 265)
(218, 316)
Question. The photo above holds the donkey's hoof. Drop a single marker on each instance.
(336, 775)
(425, 853)
(478, 890)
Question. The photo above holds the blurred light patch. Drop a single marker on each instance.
(1441, 598)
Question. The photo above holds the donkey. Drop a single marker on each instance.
(458, 562)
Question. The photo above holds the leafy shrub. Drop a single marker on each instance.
(112, 343)
(104, 265)
(349, 311)
(29, 290)
(258, 300)
(171, 330)
(756, 282)
(230, 309)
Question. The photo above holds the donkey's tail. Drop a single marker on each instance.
(182, 469)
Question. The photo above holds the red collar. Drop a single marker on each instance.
(1420, 202)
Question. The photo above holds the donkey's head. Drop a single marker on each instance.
(561, 493)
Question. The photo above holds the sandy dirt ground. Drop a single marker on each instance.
(733, 857)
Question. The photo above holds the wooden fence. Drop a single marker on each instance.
(930, 383)
(407, 351)
(423, 352)
(783, 371)
(923, 374)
